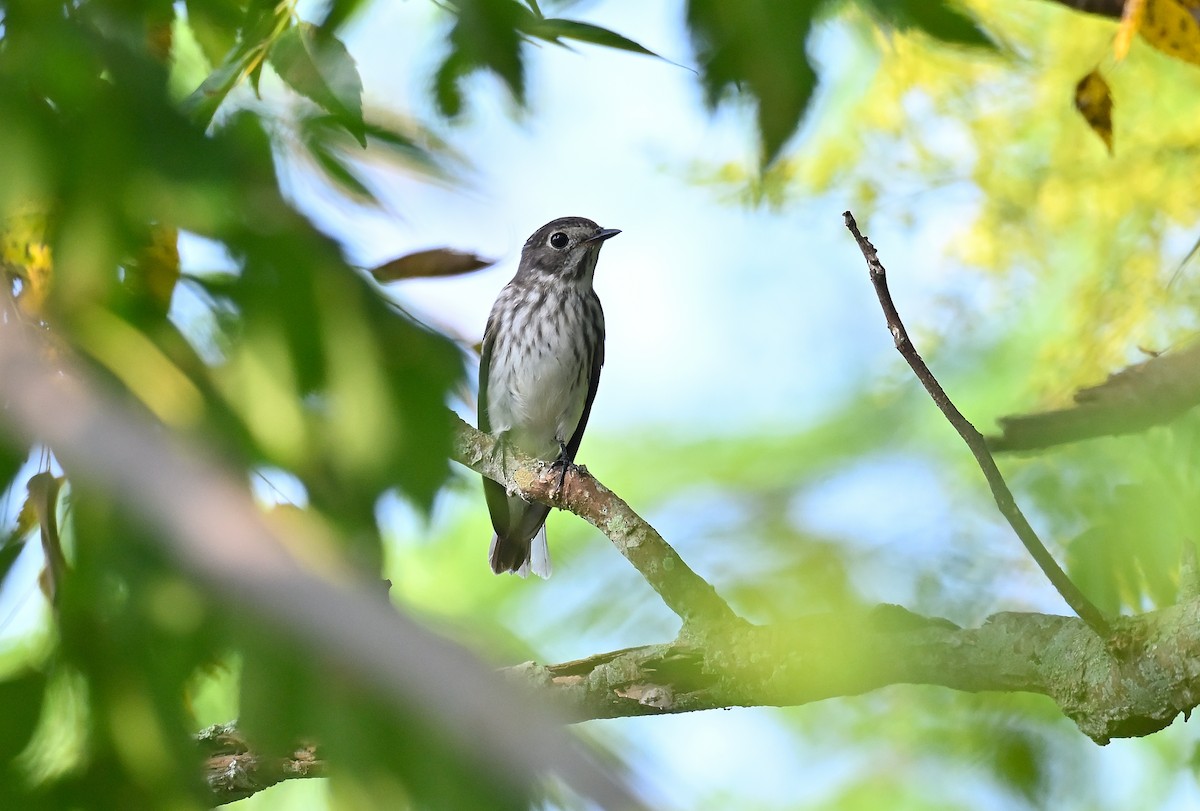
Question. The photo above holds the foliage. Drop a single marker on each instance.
(309, 371)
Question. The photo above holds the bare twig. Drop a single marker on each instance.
(975, 441)
(685, 592)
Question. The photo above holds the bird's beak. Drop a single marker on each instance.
(604, 233)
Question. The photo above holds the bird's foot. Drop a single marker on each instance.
(563, 464)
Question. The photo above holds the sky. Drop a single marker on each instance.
(698, 302)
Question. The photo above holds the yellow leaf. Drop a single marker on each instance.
(1173, 27)
(25, 255)
(1093, 99)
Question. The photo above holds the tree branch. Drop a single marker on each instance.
(685, 592)
(975, 441)
(1133, 687)
(234, 772)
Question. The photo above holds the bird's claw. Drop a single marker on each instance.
(563, 464)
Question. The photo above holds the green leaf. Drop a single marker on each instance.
(937, 18)
(554, 29)
(21, 697)
(215, 24)
(758, 48)
(202, 104)
(446, 90)
(262, 23)
(339, 12)
(319, 67)
(339, 171)
(486, 35)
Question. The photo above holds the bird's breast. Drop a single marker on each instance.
(541, 367)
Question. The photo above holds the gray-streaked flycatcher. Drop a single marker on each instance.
(542, 352)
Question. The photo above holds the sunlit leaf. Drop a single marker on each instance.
(319, 67)
(432, 263)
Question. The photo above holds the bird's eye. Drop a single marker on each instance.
(558, 240)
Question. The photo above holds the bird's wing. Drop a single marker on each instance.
(593, 384)
(497, 499)
(485, 368)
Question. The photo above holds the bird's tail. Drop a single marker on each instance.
(521, 558)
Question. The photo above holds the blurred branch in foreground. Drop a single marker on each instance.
(207, 522)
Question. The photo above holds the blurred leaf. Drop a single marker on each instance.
(202, 104)
(338, 13)
(391, 140)
(21, 697)
(553, 29)
(1173, 27)
(159, 32)
(758, 48)
(214, 23)
(44, 491)
(151, 277)
(25, 255)
(431, 263)
(264, 22)
(340, 172)
(1019, 758)
(397, 762)
(1093, 100)
(318, 66)
(137, 633)
(940, 19)
(486, 35)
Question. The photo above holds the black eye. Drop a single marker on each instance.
(558, 240)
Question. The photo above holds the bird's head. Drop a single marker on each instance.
(566, 249)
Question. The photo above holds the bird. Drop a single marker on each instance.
(539, 368)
